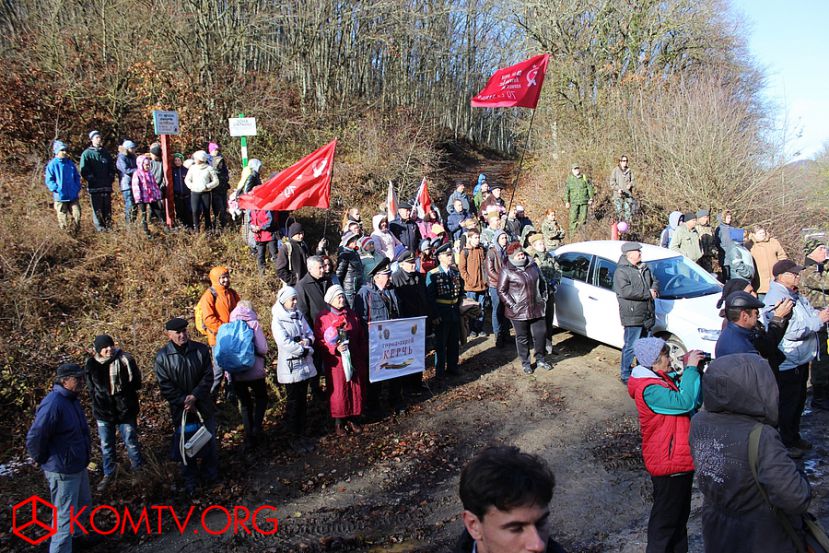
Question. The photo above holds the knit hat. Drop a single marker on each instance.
(690, 216)
(128, 145)
(93, 134)
(58, 146)
(69, 369)
(647, 350)
(732, 285)
(295, 228)
(348, 237)
(155, 149)
(102, 341)
(702, 213)
(365, 241)
(179, 155)
(201, 155)
(213, 147)
(285, 293)
(333, 292)
(811, 245)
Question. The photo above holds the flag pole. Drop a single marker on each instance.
(521, 161)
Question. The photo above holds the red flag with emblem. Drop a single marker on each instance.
(423, 202)
(306, 183)
(516, 86)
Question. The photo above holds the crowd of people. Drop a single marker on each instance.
(484, 258)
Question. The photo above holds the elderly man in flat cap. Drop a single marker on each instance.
(184, 371)
(59, 442)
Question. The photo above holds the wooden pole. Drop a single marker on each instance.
(521, 161)
(167, 165)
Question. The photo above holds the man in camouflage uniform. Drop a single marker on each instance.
(445, 288)
(814, 283)
(537, 252)
(706, 241)
(578, 196)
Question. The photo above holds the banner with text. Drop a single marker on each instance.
(396, 348)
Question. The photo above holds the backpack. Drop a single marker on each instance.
(234, 350)
(198, 314)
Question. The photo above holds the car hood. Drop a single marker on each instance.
(702, 311)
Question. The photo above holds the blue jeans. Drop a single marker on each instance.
(129, 433)
(632, 333)
(478, 324)
(498, 319)
(129, 205)
(68, 491)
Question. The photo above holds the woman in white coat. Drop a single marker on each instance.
(294, 338)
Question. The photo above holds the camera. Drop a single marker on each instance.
(703, 364)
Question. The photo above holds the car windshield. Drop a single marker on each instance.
(679, 277)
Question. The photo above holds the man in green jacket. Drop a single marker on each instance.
(686, 240)
(98, 170)
(578, 196)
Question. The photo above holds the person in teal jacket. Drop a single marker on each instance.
(578, 196)
(64, 181)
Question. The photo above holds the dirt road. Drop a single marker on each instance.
(394, 487)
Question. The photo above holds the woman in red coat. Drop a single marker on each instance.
(342, 342)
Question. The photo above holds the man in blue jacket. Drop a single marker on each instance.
(59, 442)
(64, 181)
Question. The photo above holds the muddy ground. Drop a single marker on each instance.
(393, 487)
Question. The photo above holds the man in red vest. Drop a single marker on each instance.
(666, 400)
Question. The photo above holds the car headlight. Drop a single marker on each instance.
(709, 334)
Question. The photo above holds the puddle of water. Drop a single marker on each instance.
(11, 468)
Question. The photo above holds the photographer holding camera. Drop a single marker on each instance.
(665, 400)
(745, 332)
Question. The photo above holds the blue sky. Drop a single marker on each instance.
(790, 39)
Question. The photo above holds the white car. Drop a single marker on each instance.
(686, 313)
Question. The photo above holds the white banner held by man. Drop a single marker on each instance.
(396, 348)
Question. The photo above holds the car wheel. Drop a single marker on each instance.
(678, 351)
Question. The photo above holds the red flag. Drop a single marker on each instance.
(516, 86)
(306, 183)
(423, 201)
(391, 203)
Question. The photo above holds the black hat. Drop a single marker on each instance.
(631, 247)
(405, 256)
(69, 369)
(732, 285)
(294, 229)
(444, 248)
(495, 185)
(382, 267)
(102, 341)
(176, 324)
(785, 266)
(404, 205)
(742, 300)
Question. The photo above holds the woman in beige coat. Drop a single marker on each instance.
(766, 251)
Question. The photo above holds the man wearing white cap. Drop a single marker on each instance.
(98, 170)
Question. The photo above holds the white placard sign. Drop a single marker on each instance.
(165, 122)
(242, 126)
(396, 348)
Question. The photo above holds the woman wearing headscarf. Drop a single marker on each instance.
(249, 385)
(343, 348)
(523, 291)
(384, 240)
(145, 191)
(294, 339)
(201, 179)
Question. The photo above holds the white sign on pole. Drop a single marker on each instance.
(165, 122)
(396, 348)
(242, 126)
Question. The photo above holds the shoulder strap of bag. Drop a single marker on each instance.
(182, 440)
(753, 461)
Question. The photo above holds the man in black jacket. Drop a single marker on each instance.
(292, 257)
(413, 301)
(405, 229)
(113, 379)
(636, 290)
(310, 301)
(506, 495)
(184, 371)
